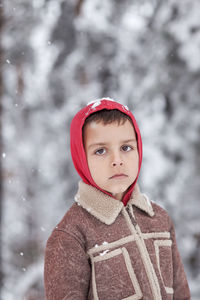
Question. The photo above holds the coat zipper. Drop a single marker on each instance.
(135, 225)
(131, 216)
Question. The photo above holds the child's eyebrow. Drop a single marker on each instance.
(129, 141)
(104, 144)
(96, 144)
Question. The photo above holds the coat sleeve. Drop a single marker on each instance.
(66, 269)
(180, 284)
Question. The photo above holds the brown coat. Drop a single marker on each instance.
(103, 250)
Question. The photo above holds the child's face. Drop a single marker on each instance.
(112, 156)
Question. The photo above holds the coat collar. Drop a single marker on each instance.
(106, 208)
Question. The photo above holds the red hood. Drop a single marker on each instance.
(77, 149)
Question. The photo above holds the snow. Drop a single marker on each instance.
(104, 243)
(104, 252)
(97, 103)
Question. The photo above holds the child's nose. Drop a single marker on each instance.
(117, 160)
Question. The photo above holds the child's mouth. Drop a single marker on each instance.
(118, 176)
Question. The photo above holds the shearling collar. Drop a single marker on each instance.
(106, 208)
(141, 201)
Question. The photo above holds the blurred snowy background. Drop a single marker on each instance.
(55, 56)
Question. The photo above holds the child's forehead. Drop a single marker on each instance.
(97, 129)
(99, 124)
(95, 124)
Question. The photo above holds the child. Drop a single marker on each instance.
(113, 243)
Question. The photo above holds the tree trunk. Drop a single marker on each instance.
(1, 144)
(78, 7)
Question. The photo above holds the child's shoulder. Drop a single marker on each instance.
(150, 206)
(74, 216)
(159, 209)
(155, 218)
(71, 225)
(161, 213)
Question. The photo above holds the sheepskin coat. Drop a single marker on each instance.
(103, 250)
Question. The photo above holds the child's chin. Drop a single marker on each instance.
(118, 191)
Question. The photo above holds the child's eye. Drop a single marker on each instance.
(100, 151)
(126, 148)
